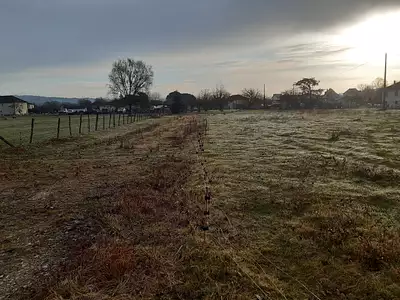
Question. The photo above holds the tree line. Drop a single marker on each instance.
(307, 94)
(130, 82)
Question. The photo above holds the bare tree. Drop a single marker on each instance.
(129, 78)
(378, 83)
(204, 100)
(252, 94)
(370, 92)
(155, 96)
(220, 96)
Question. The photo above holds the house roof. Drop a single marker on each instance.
(11, 99)
(395, 86)
(352, 90)
(237, 98)
(331, 92)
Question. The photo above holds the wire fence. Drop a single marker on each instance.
(24, 130)
(219, 233)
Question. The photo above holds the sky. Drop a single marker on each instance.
(66, 48)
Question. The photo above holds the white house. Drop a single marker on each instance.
(276, 100)
(393, 96)
(276, 97)
(10, 105)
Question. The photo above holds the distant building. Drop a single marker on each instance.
(73, 111)
(276, 97)
(276, 100)
(10, 106)
(352, 98)
(107, 108)
(393, 96)
(331, 95)
(352, 93)
(331, 99)
(238, 102)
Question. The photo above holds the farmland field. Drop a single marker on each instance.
(305, 205)
(18, 130)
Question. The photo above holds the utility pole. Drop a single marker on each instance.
(384, 84)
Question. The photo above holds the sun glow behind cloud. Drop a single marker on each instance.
(370, 38)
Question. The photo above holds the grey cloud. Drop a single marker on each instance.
(315, 67)
(288, 61)
(37, 33)
(301, 47)
(228, 63)
(332, 52)
(304, 52)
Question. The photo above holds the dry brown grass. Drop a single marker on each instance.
(311, 218)
(147, 244)
(293, 215)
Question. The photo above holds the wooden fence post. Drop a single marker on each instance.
(80, 124)
(97, 122)
(88, 122)
(7, 142)
(69, 125)
(119, 119)
(32, 125)
(109, 121)
(104, 121)
(58, 127)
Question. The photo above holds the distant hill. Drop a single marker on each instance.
(38, 100)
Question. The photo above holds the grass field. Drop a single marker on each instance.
(305, 205)
(312, 200)
(18, 130)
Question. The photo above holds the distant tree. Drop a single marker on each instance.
(204, 100)
(129, 77)
(140, 100)
(378, 83)
(176, 103)
(85, 103)
(155, 96)
(220, 97)
(50, 107)
(308, 87)
(367, 93)
(252, 94)
(290, 100)
(100, 102)
(189, 101)
(155, 99)
(156, 102)
(69, 105)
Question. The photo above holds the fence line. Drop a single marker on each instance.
(32, 126)
(58, 127)
(42, 128)
(69, 125)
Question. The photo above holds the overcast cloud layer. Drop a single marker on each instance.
(66, 47)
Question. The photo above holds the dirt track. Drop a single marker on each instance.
(51, 197)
